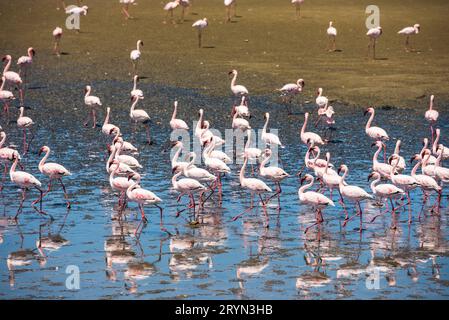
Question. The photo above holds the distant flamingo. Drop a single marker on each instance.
(135, 193)
(384, 169)
(352, 193)
(125, 7)
(25, 123)
(317, 200)
(275, 174)
(375, 133)
(332, 34)
(24, 62)
(297, 4)
(178, 166)
(74, 10)
(108, 128)
(237, 89)
(431, 115)
(269, 138)
(239, 123)
(328, 113)
(169, 7)
(436, 145)
(290, 90)
(120, 184)
(401, 162)
(111, 166)
(129, 160)
(177, 124)
(6, 96)
(242, 109)
(409, 31)
(373, 34)
(250, 152)
(309, 137)
(25, 181)
(91, 102)
(140, 116)
(185, 4)
(230, 4)
(57, 34)
(6, 154)
(255, 186)
(135, 55)
(383, 191)
(321, 100)
(200, 25)
(136, 92)
(187, 186)
(54, 171)
(330, 178)
(127, 147)
(12, 76)
(217, 166)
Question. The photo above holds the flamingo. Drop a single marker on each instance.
(270, 138)
(352, 193)
(321, 100)
(140, 116)
(178, 166)
(427, 168)
(242, 109)
(199, 129)
(216, 165)
(445, 150)
(218, 154)
(384, 169)
(384, 190)
(200, 25)
(330, 178)
(275, 174)
(332, 34)
(237, 89)
(297, 4)
(432, 160)
(327, 112)
(25, 181)
(375, 133)
(108, 128)
(290, 90)
(187, 186)
(135, 55)
(403, 181)
(91, 102)
(25, 123)
(308, 137)
(120, 184)
(129, 160)
(177, 124)
(255, 186)
(373, 34)
(206, 135)
(431, 115)
(127, 147)
(123, 167)
(135, 193)
(409, 31)
(441, 173)
(125, 7)
(315, 199)
(251, 153)
(193, 172)
(427, 183)
(185, 4)
(54, 171)
(57, 34)
(169, 7)
(230, 4)
(25, 61)
(239, 123)
(6, 154)
(401, 162)
(11, 76)
(136, 92)
(6, 96)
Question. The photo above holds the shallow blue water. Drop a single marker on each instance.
(219, 258)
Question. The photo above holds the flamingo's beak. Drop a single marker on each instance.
(366, 111)
(412, 159)
(370, 176)
(174, 170)
(4, 59)
(141, 43)
(33, 52)
(40, 151)
(230, 72)
(339, 170)
(373, 144)
(303, 179)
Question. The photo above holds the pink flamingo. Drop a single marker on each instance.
(373, 34)
(332, 34)
(200, 25)
(384, 169)
(120, 184)
(375, 133)
(436, 145)
(309, 137)
(237, 89)
(136, 193)
(108, 128)
(25, 123)
(12, 76)
(92, 102)
(431, 115)
(382, 191)
(275, 174)
(54, 171)
(408, 31)
(123, 167)
(315, 199)
(140, 116)
(187, 186)
(169, 7)
(230, 4)
(25, 181)
(255, 186)
(176, 124)
(125, 8)
(330, 178)
(239, 123)
(24, 62)
(136, 92)
(401, 162)
(297, 4)
(6, 96)
(6, 154)
(290, 90)
(57, 34)
(321, 100)
(352, 193)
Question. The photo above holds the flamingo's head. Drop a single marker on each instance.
(307, 177)
(6, 58)
(301, 83)
(377, 144)
(266, 116)
(115, 130)
(133, 175)
(140, 42)
(417, 27)
(374, 175)
(394, 156)
(233, 72)
(319, 91)
(343, 168)
(43, 149)
(415, 157)
(31, 51)
(86, 9)
(268, 152)
(88, 88)
(14, 155)
(368, 110)
(425, 141)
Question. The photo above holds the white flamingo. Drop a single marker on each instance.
(136, 92)
(176, 124)
(239, 123)
(108, 128)
(24, 62)
(373, 34)
(401, 162)
(191, 171)
(242, 109)
(25, 123)
(6, 96)
(176, 165)
(187, 186)
(431, 115)
(297, 4)
(436, 145)
(120, 184)
(127, 159)
(275, 174)
(290, 90)
(237, 89)
(169, 7)
(314, 199)
(57, 35)
(332, 34)
(230, 4)
(140, 116)
(309, 137)
(409, 31)
(269, 138)
(384, 169)
(92, 102)
(321, 100)
(135, 55)
(11, 76)
(200, 25)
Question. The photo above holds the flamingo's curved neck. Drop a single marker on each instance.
(371, 117)
(393, 167)
(416, 166)
(248, 143)
(327, 164)
(306, 186)
(21, 112)
(111, 157)
(173, 117)
(42, 162)
(242, 170)
(119, 149)
(303, 129)
(3, 83)
(106, 120)
(314, 160)
(431, 104)
(3, 135)
(133, 185)
(435, 143)
(264, 131)
(88, 92)
(7, 66)
(440, 156)
(135, 83)
(176, 156)
(133, 107)
(373, 184)
(265, 161)
(343, 177)
(13, 167)
(396, 148)
(376, 155)
(426, 142)
(234, 79)
(138, 45)
(190, 164)
(173, 180)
